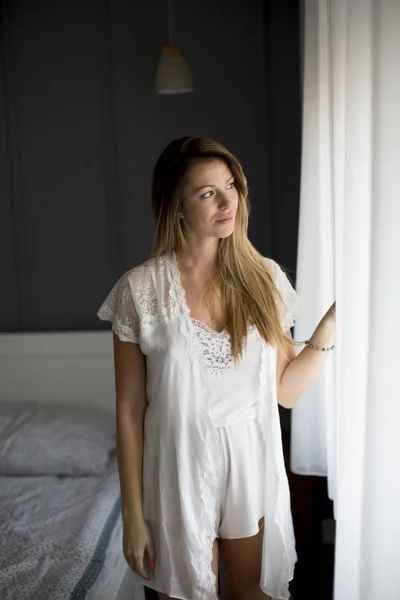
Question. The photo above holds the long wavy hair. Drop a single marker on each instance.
(240, 280)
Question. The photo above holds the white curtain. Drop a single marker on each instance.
(347, 425)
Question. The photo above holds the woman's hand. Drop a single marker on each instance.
(330, 315)
(303, 370)
(136, 543)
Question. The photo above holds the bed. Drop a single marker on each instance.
(60, 524)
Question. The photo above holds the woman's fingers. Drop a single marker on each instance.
(129, 559)
(330, 314)
(138, 544)
(139, 566)
(151, 555)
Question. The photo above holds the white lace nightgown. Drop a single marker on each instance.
(205, 417)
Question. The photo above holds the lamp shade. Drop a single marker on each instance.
(173, 74)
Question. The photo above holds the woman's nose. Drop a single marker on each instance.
(224, 200)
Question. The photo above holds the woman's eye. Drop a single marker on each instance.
(207, 195)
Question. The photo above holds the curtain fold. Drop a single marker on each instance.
(346, 425)
(315, 262)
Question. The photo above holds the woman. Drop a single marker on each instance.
(203, 354)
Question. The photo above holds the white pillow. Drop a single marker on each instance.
(40, 439)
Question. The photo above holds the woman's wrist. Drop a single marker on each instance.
(325, 334)
(321, 349)
(132, 515)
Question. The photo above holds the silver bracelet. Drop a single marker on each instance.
(314, 347)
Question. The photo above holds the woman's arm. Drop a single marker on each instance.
(296, 375)
(130, 386)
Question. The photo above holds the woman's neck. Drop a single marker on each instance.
(198, 256)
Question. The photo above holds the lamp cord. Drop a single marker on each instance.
(170, 23)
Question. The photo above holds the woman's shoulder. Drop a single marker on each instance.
(272, 266)
(145, 272)
(277, 272)
(269, 262)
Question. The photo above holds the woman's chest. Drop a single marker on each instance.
(173, 346)
(198, 305)
(177, 329)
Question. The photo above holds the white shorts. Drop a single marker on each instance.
(240, 502)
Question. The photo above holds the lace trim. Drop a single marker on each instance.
(216, 348)
(202, 568)
(126, 329)
(125, 326)
(291, 305)
(146, 295)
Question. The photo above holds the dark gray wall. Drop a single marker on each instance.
(283, 89)
(81, 128)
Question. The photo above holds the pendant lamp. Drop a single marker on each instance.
(173, 73)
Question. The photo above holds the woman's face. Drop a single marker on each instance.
(210, 200)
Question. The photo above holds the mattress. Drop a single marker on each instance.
(60, 537)
(115, 582)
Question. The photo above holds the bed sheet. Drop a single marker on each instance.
(115, 581)
(54, 534)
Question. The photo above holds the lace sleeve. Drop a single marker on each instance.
(292, 305)
(119, 308)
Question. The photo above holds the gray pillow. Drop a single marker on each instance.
(40, 439)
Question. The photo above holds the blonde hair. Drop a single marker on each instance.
(241, 281)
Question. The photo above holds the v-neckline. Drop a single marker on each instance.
(182, 294)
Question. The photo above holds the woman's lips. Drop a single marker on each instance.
(224, 220)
